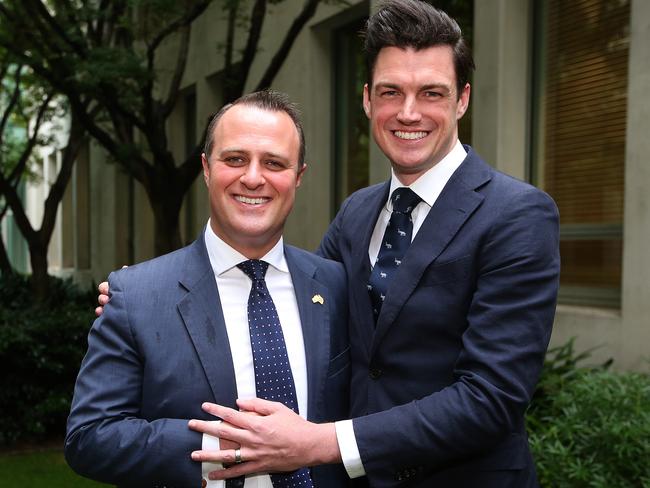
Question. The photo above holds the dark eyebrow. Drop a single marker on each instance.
(430, 86)
(236, 150)
(233, 150)
(387, 85)
(436, 86)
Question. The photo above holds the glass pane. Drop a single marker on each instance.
(580, 104)
(352, 127)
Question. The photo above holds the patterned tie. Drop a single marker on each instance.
(273, 378)
(397, 239)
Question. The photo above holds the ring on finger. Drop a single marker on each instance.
(238, 459)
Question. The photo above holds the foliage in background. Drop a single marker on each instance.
(27, 103)
(590, 427)
(41, 347)
(105, 58)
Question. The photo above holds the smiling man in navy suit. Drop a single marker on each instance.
(453, 273)
(176, 333)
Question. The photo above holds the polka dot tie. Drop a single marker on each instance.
(397, 239)
(273, 377)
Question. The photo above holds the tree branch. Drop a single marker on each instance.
(258, 15)
(57, 190)
(31, 142)
(5, 264)
(186, 19)
(13, 200)
(136, 164)
(230, 47)
(181, 63)
(308, 11)
(56, 29)
(13, 100)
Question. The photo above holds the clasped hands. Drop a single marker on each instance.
(271, 438)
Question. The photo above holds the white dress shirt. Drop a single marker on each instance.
(428, 187)
(234, 287)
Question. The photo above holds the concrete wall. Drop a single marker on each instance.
(501, 100)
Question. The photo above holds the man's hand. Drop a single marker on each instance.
(276, 440)
(102, 299)
(227, 445)
(103, 296)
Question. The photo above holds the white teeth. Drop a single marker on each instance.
(251, 201)
(410, 135)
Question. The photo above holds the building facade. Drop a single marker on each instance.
(558, 99)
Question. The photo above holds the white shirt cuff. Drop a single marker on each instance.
(211, 443)
(349, 449)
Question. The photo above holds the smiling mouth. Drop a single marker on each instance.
(251, 201)
(410, 136)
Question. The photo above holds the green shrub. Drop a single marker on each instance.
(590, 427)
(41, 347)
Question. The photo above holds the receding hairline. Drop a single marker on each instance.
(270, 100)
(255, 107)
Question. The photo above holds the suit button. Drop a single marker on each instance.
(375, 373)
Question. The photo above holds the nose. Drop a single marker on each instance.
(253, 176)
(409, 113)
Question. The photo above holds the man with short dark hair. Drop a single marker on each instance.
(453, 273)
(235, 314)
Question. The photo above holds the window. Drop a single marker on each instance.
(351, 127)
(579, 138)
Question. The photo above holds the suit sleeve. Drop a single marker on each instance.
(107, 439)
(329, 246)
(509, 321)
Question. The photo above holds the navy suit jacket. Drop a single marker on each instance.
(441, 383)
(160, 349)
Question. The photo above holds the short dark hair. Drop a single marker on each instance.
(416, 24)
(271, 100)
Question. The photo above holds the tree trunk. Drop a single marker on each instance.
(166, 211)
(5, 265)
(40, 280)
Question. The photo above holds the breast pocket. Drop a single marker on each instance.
(339, 363)
(460, 269)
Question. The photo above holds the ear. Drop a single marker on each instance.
(366, 100)
(206, 168)
(463, 102)
(301, 172)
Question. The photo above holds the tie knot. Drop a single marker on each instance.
(254, 268)
(404, 200)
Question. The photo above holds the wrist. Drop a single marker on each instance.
(325, 445)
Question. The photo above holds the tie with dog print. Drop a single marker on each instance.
(397, 239)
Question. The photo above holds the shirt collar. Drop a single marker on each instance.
(224, 257)
(430, 184)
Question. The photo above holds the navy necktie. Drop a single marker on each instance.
(273, 377)
(397, 239)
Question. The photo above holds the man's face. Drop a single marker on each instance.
(252, 176)
(413, 107)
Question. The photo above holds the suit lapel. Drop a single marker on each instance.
(201, 311)
(453, 207)
(366, 215)
(314, 319)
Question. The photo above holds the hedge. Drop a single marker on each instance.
(590, 427)
(41, 348)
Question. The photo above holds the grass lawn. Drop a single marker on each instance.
(40, 468)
